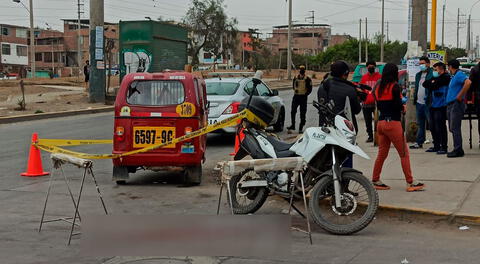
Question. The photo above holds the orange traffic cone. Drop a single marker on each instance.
(238, 140)
(34, 167)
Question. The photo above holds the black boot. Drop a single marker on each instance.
(300, 128)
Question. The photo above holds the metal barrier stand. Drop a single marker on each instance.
(57, 161)
(229, 168)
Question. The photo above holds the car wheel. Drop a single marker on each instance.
(278, 126)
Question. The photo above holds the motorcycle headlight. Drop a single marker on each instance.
(351, 138)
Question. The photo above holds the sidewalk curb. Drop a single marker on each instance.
(30, 117)
(439, 214)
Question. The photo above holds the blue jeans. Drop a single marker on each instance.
(422, 116)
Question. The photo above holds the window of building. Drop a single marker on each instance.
(5, 31)
(22, 51)
(47, 57)
(6, 49)
(38, 56)
(21, 33)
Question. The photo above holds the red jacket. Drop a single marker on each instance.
(370, 80)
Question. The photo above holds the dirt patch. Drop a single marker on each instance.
(61, 103)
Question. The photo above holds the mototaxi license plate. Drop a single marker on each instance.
(147, 136)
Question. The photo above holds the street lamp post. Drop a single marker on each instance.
(32, 35)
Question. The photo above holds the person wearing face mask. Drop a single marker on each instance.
(438, 86)
(458, 87)
(421, 100)
(302, 85)
(368, 106)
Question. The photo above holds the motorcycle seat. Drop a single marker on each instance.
(282, 149)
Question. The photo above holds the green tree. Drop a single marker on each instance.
(211, 29)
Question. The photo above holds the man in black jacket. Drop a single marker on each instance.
(338, 88)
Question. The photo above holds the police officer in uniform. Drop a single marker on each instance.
(302, 85)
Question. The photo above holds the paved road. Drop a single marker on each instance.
(386, 240)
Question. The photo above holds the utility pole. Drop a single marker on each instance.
(366, 40)
(32, 40)
(420, 22)
(458, 26)
(97, 67)
(388, 38)
(360, 42)
(313, 31)
(79, 36)
(433, 26)
(468, 34)
(443, 26)
(383, 28)
(289, 45)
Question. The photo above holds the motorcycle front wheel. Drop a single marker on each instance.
(359, 203)
(246, 200)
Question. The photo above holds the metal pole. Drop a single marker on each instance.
(383, 29)
(458, 26)
(388, 38)
(97, 74)
(443, 27)
(433, 26)
(360, 42)
(79, 35)
(289, 45)
(366, 40)
(32, 41)
(313, 32)
(468, 35)
(53, 60)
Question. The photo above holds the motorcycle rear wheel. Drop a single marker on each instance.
(246, 200)
(324, 212)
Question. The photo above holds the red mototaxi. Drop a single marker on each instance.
(152, 108)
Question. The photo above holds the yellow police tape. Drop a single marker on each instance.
(53, 145)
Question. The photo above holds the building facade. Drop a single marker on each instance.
(14, 48)
(55, 51)
(306, 38)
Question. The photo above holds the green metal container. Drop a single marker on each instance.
(152, 46)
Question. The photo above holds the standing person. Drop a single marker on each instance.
(438, 86)
(457, 89)
(420, 99)
(475, 87)
(338, 88)
(368, 106)
(86, 72)
(389, 102)
(302, 85)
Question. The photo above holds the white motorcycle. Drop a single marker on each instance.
(341, 200)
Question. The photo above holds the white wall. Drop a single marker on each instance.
(13, 58)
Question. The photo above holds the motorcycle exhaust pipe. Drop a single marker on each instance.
(253, 183)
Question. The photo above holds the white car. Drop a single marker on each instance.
(225, 95)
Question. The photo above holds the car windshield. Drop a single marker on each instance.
(221, 88)
(156, 93)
